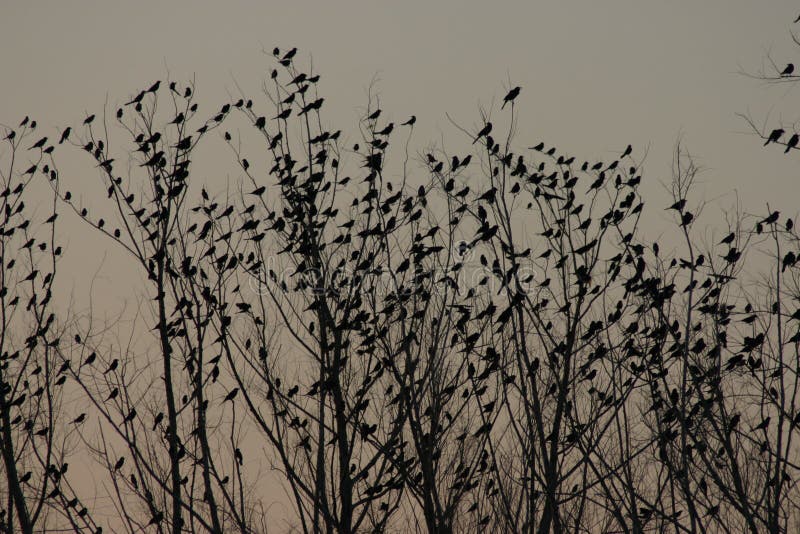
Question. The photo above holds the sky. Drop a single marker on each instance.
(595, 76)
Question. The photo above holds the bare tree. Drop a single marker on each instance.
(440, 342)
(36, 432)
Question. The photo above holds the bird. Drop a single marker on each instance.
(283, 115)
(184, 144)
(290, 54)
(728, 239)
(158, 419)
(231, 395)
(788, 70)
(628, 151)
(512, 94)
(138, 98)
(484, 131)
(178, 119)
(774, 136)
(88, 120)
(679, 205)
(771, 218)
(791, 143)
(763, 424)
(410, 122)
(39, 144)
(65, 134)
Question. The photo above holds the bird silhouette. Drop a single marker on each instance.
(512, 94)
(774, 136)
(39, 144)
(112, 367)
(791, 143)
(483, 132)
(788, 70)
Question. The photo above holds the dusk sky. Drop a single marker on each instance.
(595, 77)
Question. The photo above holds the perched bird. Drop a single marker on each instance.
(484, 131)
(512, 94)
(728, 239)
(39, 144)
(158, 419)
(411, 121)
(771, 218)
(774, 136)
(763, 424)
(788, 70)
(679, 205)
(112, 367)
(791, 143)
(138, 98)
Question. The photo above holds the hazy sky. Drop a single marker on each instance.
(595, 75)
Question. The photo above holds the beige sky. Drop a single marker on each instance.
(595, 75)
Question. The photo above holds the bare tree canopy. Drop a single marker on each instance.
(408, 341)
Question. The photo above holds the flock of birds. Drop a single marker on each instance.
(556, 189)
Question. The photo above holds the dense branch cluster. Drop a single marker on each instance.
(441, 343)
